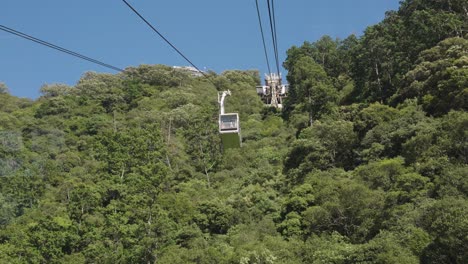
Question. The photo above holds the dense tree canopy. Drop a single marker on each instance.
(367, 162)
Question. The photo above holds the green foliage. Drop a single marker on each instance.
(388, 138)
(55, 90)
(445, 220)
(401, 184)
(214, 217)
(328, 248)
(372, 116)
(439, 80)
(366, 163)
(311, 89)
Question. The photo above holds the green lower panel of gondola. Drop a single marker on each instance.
(231, 140)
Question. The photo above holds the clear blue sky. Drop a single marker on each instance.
(216, 34)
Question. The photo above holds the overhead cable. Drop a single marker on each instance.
(276, 36)
(273, 34)
(61, 49)
(166, 40)
(263, 37)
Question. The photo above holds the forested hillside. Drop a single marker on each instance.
(367, 162)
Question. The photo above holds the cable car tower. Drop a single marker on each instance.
(229, 128)
(273, 92)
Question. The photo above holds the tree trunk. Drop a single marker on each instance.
(379, 82)
(207, 177)
(123, 172)
(114, 123)
(311, 117)
(168, 161)
(205, 166)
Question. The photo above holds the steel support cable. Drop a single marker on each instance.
(276, 36)
(263, 37)
(166, 40)
(273, 36)
(50, 45)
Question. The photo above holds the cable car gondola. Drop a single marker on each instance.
(229, 127)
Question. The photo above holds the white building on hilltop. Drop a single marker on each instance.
(192, 70)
